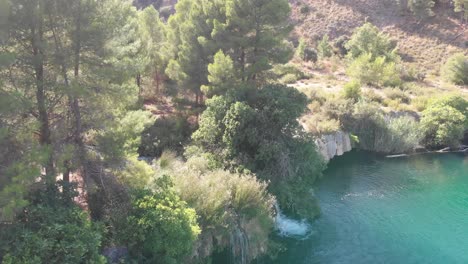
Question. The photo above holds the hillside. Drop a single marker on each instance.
(426, 44)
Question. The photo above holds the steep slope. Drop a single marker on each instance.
(425, 43)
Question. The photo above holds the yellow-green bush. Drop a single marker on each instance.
(377, 72)
(352, 90)
(455, 70)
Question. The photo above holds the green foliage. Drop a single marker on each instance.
(324, 49)
(122, 138)
(4, 16)
(225, 202)
(288, 73)
(170, 133)
(455, 70)
(376, 71)
(421, 8)
(352, 90)
(444, 121)
(152, 56)
(52, 231)
(340, 45)
(306, 53)
(397, 95)
(379, 133)
(17, 179)
(305, 9)
(135, 173)
(161, 227)
(221, 76)
(262, 133)
(461, 6)
(368, 39)
(251, 33)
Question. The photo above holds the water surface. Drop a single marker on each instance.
(378, 210)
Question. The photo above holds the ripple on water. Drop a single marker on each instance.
(412, 210)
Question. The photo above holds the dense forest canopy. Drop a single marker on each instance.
(143, 132)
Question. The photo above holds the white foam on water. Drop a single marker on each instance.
(288, 227)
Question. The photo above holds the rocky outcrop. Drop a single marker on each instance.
(332, 145)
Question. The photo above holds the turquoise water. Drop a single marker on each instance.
(378, 210)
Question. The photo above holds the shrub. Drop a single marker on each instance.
(289, 78)
(398, 95)
(372, 96)
(306, 53)
(421, 8)
(379, 133)
(404, 134)
(167, 133)
(444, 121)
(52, 230)
(461, 6)
(135, 173)
(367, 39)
(340, 45)
(123, 137)
(161, 227)
(262, 133)
(227, 204)
(352, 90)
(324, 49)
(374, 71)
(281, 71)
(455, 70)
(305, 9)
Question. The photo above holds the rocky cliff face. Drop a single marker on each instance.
(333, 145)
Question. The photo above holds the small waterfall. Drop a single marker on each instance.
(288, 227)
(239, 247)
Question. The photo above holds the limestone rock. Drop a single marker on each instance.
(332, 145)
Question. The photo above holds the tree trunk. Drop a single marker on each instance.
(75, 107)
(45, 135)
(138, 83)
(243, 64)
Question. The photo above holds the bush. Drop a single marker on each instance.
(324, 49)
(455, 69)
(306, 53)
(161, 228)
(305, 9)
(289, 78)
(167, 133)
(52, 230)
(135, 173)
(372, 96)
(421, 8)
(262, 133)
(444, 121)
(384, 134)
(352, 90)
(376, 71)
(227, 204)
(367, 39)
(123, 137)
(340, 45)
(398, 95)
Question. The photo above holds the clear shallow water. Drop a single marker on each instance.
(378, 210)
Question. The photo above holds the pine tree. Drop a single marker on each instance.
(253, 34)
(152, 55)
(221, 76)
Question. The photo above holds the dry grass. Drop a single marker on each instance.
(426, 45)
